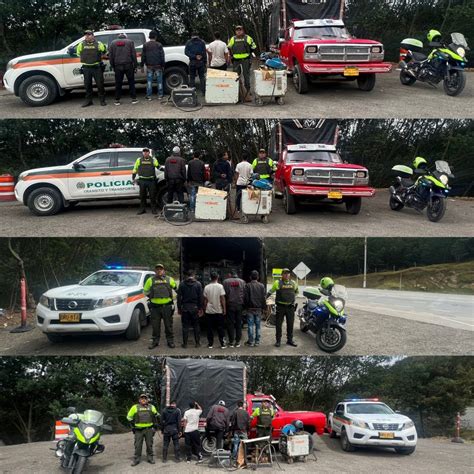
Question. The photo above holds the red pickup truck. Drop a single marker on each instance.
(315, 48)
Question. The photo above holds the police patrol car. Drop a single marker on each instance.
(38, 79)
(109, 301)
(368, 422)
(99, 175)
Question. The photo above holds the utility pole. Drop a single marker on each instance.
(364, 284)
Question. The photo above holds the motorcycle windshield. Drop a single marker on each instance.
(459, 39)
(443, 167)
(339, 291)
(93, 417)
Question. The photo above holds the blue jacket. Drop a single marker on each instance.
(195, 47)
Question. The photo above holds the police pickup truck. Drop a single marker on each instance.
(368, 422)
(39, 79)
(109, 301)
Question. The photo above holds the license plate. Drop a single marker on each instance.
(386, 435)
(70, 317)
(351, 71)
(334, 195)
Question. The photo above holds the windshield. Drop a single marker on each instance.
(368, 409)
(93, 417)
(112, 279)
(339, 291)
(321, 32)
(459, 39)
(443, 167)
(313, 157)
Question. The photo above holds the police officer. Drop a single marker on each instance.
(263, 165)
(171, 429)
(160, 291)
(175, 175)
(286, 290)
(241, 47)
(264, 415)
(144, 419)
(145, 168)
(90, 52)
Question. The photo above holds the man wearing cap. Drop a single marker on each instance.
(234, 293)
(123, 61)
(144, 419)
(144, 172)
(263, 165)
(90, 51)
(264, 415)
(286, 290)
(159, 290)
(218, 421)
(175, 175)
(241, 46)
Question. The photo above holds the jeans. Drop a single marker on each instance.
(238, 436)
(151, 74)
(192, 197)
(253, 319)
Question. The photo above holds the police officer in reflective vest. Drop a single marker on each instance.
(144, 419)
(90, 52)
(286, 290)
(145, 170)
(263, 165)
(241, 47)
(264, 415)
(159, 290)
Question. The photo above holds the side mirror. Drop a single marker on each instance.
(78, 166)
(398, 412)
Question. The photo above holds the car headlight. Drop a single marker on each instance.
(444, 179)
(461, 51)
(408, 424)
(376, 49)
(89, 432)
(297, 174)
(112, 301)
(338, 305)
(11, 63)
(360, 424)
(312, 49)
(44, 301)
(22, 176)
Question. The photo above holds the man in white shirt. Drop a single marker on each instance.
(218, 53)
(243, 171)
(214, 308)
(192, 438)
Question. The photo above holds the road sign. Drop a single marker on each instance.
(301, 270)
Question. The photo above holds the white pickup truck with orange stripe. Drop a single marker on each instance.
(109, 301)
(38, 79)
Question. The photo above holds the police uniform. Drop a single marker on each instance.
(264, 167)
(286, 291)
(144, 169)
(241, 49)
(264, 420)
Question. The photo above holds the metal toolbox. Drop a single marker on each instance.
(270, 83)
(256, 202)
(211, 205)
(222, 87)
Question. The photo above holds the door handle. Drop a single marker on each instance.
(105, 174)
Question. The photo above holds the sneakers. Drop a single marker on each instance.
(223, 346)
(231, 344)
(87, 104)
(250, 344)
(117, 102)
(171, 345)
(135, 101)
(292, 344)
(257, 343)
(148, 98)
(237, 344)
(135, 462)
(277, 344)
(210, 346)
(153, 345)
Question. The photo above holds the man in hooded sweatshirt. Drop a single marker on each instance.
(195, 50)
(175, 175)
(171, 429)
(190, 306)
(218, 420)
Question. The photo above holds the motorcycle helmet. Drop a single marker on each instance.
(326, 283)
(433, 35)
(419, 163)
(298, 424)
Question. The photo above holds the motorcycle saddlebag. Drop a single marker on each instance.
(412, 44)
(312, 293)
(402, 171)
(176, 212)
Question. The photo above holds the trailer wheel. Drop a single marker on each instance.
(300, 81)
(366, 82)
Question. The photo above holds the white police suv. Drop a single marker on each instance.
(369, 422)
(109, 301)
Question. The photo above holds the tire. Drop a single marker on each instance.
(345, 444)
(280, 101)
(134, 328)
(300, 81)
(45, 202)
(436, 209)
(289, 202)
(265, 219)
(38, 91)
(54, 338)
(395, 204)
(208, 445)
(337, 342)
(456, 85)
(79, 465)
(353, 205)
(407, 79)
(366, 82)
(174, 76)
(405, 451)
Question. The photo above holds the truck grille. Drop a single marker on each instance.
(344, 53)
(385, 427)
(68, 304)
(330, 177)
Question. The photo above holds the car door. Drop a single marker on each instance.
(124, 163)
(336, 420)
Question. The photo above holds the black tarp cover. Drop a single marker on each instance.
(205, 380)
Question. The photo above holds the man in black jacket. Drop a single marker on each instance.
(123, 61)
(195, 50)
(255, 303)
(222, 172)
(153, 57)
(175, 175)
(190, 306)
(171, 429)
(196, 177)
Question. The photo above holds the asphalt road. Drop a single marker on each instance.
(389, 99)
(431, 456)
(119, 219)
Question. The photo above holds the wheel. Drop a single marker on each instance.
(55, 338)
(208, 444)
(436, 209)
(353, 205)
(366, 82)
(289, 460)
(175, 76)
(456, 83)
(395, 204)
(345, 444)
(405, 451)
(144, 319)
(303, 326)
(38, 91)
(332, 434)
(331, 339)
(280, 101)
(134, 327)
(45, 202)
(79, 465)
(300, 81)
(289, 202)
(265, 219)
(244, 219)
(406, 78)
(259, 101)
